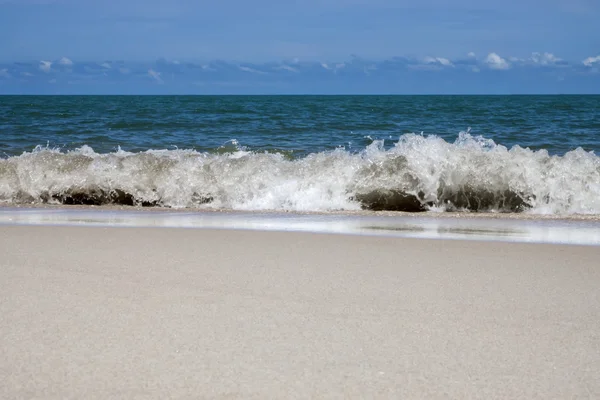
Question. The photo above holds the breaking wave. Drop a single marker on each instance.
(418, 173)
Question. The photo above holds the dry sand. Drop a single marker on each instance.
(128, 313)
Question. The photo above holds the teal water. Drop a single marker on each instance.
(304, 153)
(295, 124)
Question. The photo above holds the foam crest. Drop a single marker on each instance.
(418, 173)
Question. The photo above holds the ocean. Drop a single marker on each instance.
(502, 154)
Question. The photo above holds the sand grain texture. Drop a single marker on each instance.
(127, 313)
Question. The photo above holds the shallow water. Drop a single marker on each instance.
(579, 232)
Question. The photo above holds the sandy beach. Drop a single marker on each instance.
(155, 313)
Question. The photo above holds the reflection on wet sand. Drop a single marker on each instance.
(431, 226)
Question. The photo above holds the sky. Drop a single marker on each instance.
(313, 46)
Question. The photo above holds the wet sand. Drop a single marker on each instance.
(520, 216)
(136, 313)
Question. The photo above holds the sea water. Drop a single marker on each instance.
(519, 154)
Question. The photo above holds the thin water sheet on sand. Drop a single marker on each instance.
(584, 230)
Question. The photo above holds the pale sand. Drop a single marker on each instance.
(100, 313)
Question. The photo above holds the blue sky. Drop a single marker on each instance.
(314, 46)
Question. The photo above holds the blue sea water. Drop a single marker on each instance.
(295, 124)
(533, 154)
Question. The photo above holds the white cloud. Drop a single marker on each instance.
(52, 81)
(494, 61)
(541, 59)
(155, 75)
(471, 55)
(65, 61)
(438, 60)
(590, 61)
(544, 59)
(333, 68)
(288, 68)
(106, 65)
(4, 73)
(251, 70)
(26, 73)
(45, 66)
(475, 69)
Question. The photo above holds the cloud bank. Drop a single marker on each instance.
(540, 72)
(591, 61)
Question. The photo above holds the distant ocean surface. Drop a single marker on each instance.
(533, 154)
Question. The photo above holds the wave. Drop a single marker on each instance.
(418, 173)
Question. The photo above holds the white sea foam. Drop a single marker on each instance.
(417, 173)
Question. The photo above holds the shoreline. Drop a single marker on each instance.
(425, 214)
(147, 313)
(402, 225)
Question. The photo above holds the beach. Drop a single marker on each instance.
(152, 313)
